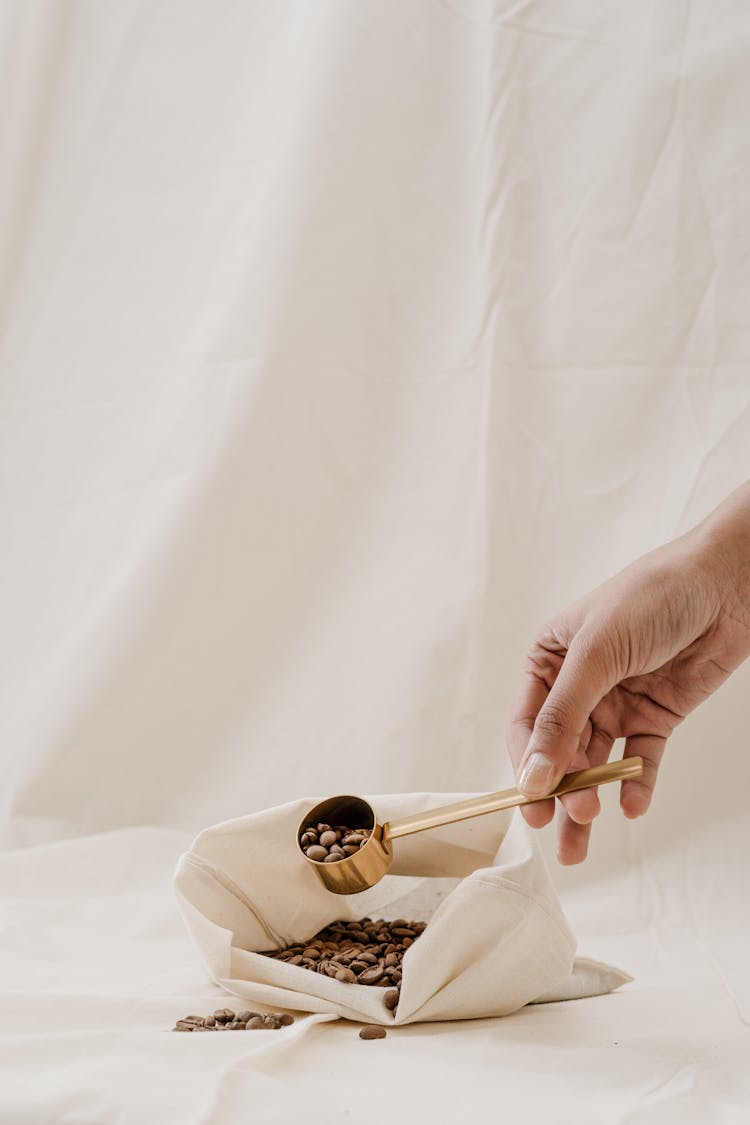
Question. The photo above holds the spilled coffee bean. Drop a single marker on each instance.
(326, 843)
(368, 952)
(372, 1031)
(224, 1019)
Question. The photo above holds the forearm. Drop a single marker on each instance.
(722, 545)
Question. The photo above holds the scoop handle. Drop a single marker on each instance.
(507, 798)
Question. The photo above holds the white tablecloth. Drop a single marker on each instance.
(339, 345)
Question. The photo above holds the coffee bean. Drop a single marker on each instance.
(328, 838)
(316, 852)
(372, 1031)
(284, 1018)
(210, 1021)
(183, 1025)
(346, 976)
(255, 1022)
(391, 998)
(371, 976)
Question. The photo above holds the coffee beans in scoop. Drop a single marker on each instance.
(366, 952)
(326, 843)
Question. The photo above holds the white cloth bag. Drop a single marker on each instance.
(496, 937)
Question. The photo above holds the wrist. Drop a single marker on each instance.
(722, 546)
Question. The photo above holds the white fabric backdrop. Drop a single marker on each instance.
(340, 343)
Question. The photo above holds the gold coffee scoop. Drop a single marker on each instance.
(367, 866)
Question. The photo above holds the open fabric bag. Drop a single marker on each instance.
(496, 937)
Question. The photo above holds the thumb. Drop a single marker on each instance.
(584, 678)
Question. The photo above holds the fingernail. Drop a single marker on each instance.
(537, 775)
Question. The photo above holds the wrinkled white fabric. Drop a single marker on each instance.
(340, 344)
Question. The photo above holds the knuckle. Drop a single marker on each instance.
(606, 646)
(647, 780)
(553, 721)
(545, 657)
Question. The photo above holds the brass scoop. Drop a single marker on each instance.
(367, 867)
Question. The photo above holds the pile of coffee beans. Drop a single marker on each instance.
(365, 952)
(326, 843)
(226, 1020)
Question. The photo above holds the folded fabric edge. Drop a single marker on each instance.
(588, 977)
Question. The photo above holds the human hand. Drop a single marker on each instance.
(631, 660)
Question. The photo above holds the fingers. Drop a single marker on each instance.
(574, 822)
(579, 808)
(572, 840)
(539, 814)
(584, 805)
(636, 793)
(585, 677)
(573, 832)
